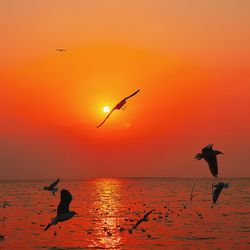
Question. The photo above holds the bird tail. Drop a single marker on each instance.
(198, 156)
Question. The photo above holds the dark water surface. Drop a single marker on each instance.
(108, 208)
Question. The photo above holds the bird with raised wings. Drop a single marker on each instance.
(63, 212)
(52, 187)
(210, 156)
(217, 189)
(120, 105)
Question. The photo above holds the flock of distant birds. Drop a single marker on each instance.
(64, 213)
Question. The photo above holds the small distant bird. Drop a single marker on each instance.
(217, 189)
(120, 105)
(145, 218)
(52, 187)
(63, 212)
(209, 155)
(191, 195)
(60, 50)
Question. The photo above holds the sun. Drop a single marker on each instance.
(106, 109)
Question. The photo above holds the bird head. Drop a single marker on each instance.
(217, 152)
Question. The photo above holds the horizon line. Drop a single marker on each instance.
(130, 177)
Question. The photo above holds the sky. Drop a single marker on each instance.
(190, 60)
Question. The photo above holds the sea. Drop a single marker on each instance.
(108, 209)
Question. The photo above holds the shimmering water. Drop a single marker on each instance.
(108, 208)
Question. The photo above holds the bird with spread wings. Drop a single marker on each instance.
(210, 156)
(63, 212)
(120, 105)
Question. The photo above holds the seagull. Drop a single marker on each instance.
(60, 50)
(218, 189)
(209, 156)
(120, 105)
(63, 212)
(52, 187)
(191, 195)
(145, 217)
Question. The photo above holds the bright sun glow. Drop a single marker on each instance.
(106, 109)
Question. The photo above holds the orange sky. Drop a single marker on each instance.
(191, 60)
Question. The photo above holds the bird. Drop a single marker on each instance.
(191, 195)
(60, 50)
(145, 217)
(209, 155)
(63, 212)
(217, 191)
(52, 187)
(120, 105)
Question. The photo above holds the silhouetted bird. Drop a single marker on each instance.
(191, 195)
(52, 187)
(145, 218)
(218, 189)
(120, 105)
(209, 155)
(63, 212)
(60, 50)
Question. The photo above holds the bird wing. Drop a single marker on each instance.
(191, 195)
(212, 163)
(106, 118)
(208, 148)
(131, 95)
(148, 213)
(63, 206)
(53, 184)
(217, 192)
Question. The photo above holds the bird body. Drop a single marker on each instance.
(210, 156)
(218, 189)
(60, 218)
(63, 212)
(120, 105)
(60, 50)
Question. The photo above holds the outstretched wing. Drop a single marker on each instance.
(53, 184)
(131, 95)
(106, 118)
(212, 163)
(208, 148)
(63, 206)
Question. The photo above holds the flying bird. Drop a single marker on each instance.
(209, 155)
(191, 195)
(63, 212)
(120, 105)
(60, 50)
(52, 187)
(145, 217)
(218, 189)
